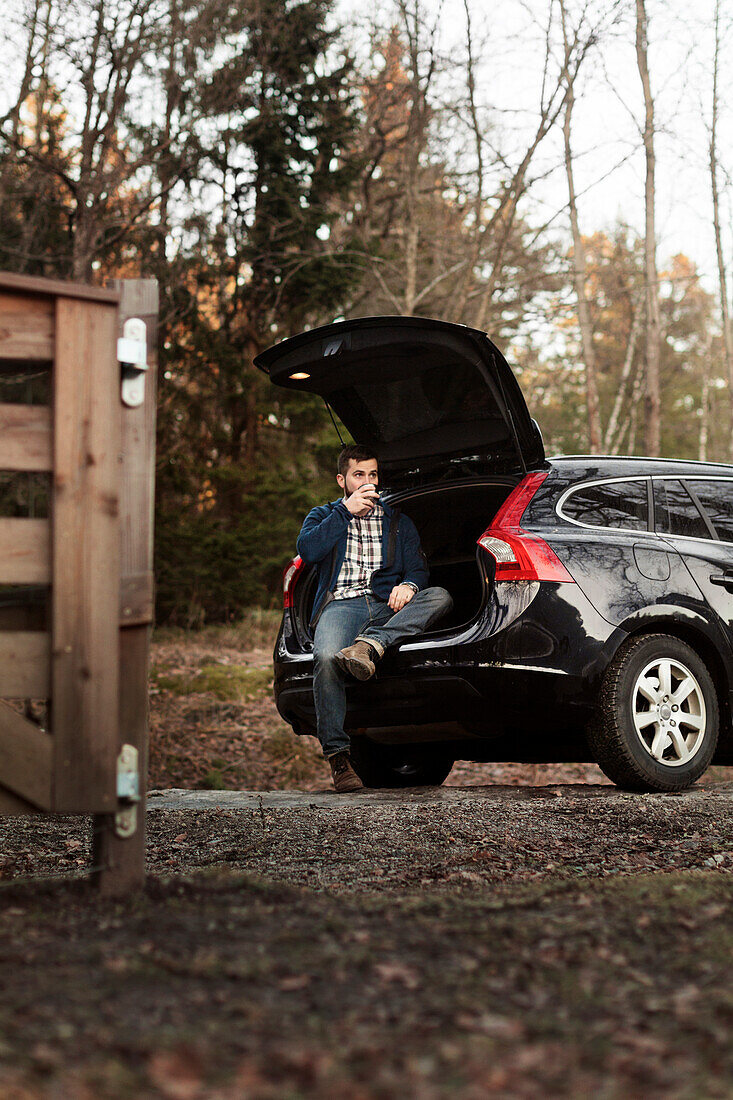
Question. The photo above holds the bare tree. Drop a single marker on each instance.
(34, 21)
(715, 187)
(399, 182)
(652, 427)
(421, 74)
(446, 224)
(494, 215)
(89, 56)
(35, 179)
(612, 437)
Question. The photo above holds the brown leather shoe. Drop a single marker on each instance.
(345, 778)
(357, 659)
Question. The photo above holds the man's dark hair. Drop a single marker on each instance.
(357, 451)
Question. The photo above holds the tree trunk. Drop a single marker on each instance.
(172, 99)
(251, 411)
(416, 141)
(489, 287)
(579, 270)
(702, 450)
(652, 431)
(630, 421)
(723, 283)
(609, 440)
(411, 258)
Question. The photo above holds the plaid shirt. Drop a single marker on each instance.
(363, 554)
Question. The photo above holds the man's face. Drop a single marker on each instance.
(360, 472)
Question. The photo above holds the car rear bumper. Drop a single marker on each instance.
(483, 702)
(539, 673)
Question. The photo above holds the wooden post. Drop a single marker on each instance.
(120, 863)
(85, 557)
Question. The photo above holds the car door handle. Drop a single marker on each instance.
(725, 580)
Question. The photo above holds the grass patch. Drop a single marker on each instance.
(257, 629)
(236, 683)
(297, 759)
(213, 780)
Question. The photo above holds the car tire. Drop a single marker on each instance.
(398, 765)
(658, 716)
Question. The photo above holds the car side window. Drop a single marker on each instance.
(716, 498)
(610, 504)
(675, 512)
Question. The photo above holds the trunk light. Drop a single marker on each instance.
(300, 374)
(290, 575)
(519, 555)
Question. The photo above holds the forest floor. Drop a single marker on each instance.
(214, 724)
(526, 932)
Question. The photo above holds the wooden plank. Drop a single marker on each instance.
(137, 594)
(12, 806)
(25, 437)
(33, 284)
(85, 558)
(123, 860)
(26, 327)
(26, 758)
(25, 551)
(25, 657)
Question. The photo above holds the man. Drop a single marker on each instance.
(371, 594)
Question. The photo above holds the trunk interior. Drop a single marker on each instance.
(449, 519)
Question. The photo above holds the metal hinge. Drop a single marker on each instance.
(132, 352)
(128, 791)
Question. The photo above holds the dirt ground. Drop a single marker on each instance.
(214, 724)
(523, 933)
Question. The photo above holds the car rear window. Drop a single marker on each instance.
(610, 504)
(675, 512)
(716, 498)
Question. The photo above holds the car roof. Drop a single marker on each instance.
(589, 466)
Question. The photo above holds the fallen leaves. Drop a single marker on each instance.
(176, 1073)
(294, 982)
(397, 972)
(488, 1023)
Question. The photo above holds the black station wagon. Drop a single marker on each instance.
(593, 597)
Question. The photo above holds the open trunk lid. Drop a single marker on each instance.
(433, 398)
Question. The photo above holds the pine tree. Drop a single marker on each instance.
(276, 130)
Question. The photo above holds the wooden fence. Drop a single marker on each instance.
(76, 593)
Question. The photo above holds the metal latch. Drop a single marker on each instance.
(132, 352)
(128, 791)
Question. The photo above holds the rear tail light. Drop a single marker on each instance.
(290, 576)
(519, 555)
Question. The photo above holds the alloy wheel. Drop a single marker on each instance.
(669, 713)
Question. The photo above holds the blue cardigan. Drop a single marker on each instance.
(322, 540)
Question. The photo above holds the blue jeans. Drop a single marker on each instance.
(365, 618)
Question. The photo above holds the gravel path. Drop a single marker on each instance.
(395, 839)
(390, 840)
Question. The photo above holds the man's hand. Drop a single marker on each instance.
(400, 595)
(361, 501)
